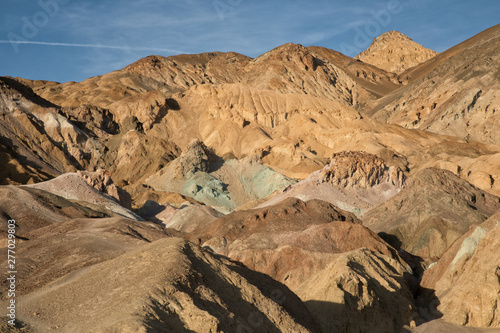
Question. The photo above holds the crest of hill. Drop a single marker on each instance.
(375, 81)
(185, 70)
(292, 68)
(395, 52)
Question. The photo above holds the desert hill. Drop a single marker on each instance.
(470, 270)
(190, 290)
(455, 93)
(395, 52)
(294, 241)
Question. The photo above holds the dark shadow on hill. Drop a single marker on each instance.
(337, 318)
(164, 320)
(415, 262)
(277, 292)
(27, 92)
(149, 210)
(61, 203)
(425, 299)
(427, 304)
(9, 171)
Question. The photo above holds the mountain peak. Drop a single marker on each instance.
(284, 51)
(391, 35)
(395, 52)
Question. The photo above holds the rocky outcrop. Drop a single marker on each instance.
(359, 169)
(199, 173)
(395, 52)
(353, 181)
(101, 181)
(97, 121)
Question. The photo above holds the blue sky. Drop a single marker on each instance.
(70, 40)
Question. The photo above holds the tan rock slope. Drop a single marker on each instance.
(360, 291)
(395, 52)
(166, 286)
(27, 148)
(297, 134)
(50, 140)
(376, 81)
(56, 236)
(53, 251)
(465, 281)
(431, 213)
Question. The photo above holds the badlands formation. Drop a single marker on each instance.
(300, 191)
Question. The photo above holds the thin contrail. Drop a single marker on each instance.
(115, 47)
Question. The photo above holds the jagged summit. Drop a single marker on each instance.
(395, 52)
